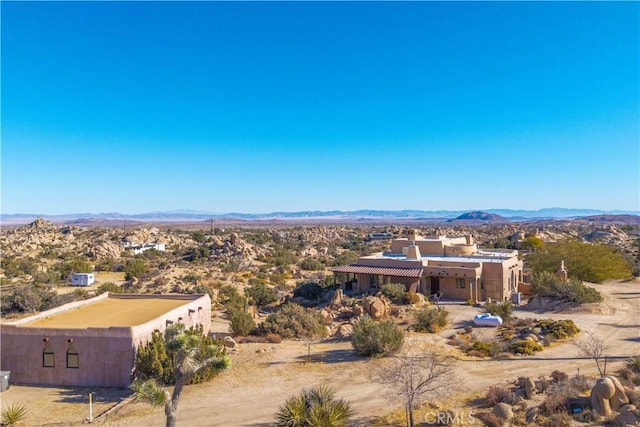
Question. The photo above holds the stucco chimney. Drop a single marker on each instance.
(413, 235)
(469, 239)
(413, 252)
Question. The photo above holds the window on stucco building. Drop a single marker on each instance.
(460, 283)
(72, 358)
(48, 358)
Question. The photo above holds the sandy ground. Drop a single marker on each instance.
(264, 375)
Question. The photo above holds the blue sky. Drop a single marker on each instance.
(261, 107)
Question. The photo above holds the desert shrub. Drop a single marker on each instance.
(431, 319)
(554, 403)
(273, 338)
(633, 363)
(489, 419)
(293, 321)
(135, 269)
(261, 294)
(13, 414)
(373, 338)
(411, 298)
(547, 284)
(500, 394)
(231, 298)
(526, 347)
(483, 348)
(394, 291)
(240, 322)
(558, 329)
(558, 420)
(155, 359)
(502, 309)
(558, 376)
(32, 298)
(584, 261)
(580, 383)
(311, 264)
(309, 290)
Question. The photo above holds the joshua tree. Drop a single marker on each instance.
(314, 407)
(188, 362)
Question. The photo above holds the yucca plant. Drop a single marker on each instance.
(633, 363)
(314, 407)
(13, 414)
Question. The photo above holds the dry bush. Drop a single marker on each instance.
(252, 339)
(580, 383)
(489, 419)
(273, 338)
(559, 376)
(558, 420)
(500, 393)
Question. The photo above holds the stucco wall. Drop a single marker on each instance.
(105, 355)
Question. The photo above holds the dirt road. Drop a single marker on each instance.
(264, 375)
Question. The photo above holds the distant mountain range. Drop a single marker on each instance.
(489, 214)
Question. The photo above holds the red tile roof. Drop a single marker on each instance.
(384, 271)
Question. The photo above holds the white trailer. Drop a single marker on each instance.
(82, 279)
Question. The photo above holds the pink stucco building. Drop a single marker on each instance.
(452, 266)
(93, 342)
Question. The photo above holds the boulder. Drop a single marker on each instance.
(375, 307)
(529, 388)
(503, 410)
(336, 300)
(230, 342)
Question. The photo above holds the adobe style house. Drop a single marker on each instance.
(453, 267)
(93, 342)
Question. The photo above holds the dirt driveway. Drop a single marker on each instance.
(264, 375)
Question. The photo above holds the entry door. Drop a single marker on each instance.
(435, 284)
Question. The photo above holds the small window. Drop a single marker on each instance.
(48, 358)
(72, 359)
(460, 283)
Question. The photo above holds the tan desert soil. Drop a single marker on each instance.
(264, 375)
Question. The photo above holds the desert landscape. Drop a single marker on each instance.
(213, 259)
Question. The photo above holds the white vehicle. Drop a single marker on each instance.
(486, 319)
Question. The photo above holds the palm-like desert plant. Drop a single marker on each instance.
(314, 407)
(189, 361)
(13, 414)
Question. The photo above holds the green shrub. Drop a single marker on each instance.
(482, 347)
(240, 322)
(311, 264)
(314, 407)
(261, 294)
(373, 338)
(584, 261)
(502, 309)
(431, 319)
(547, 284)
(558, 329)
(309, 290)
(294, 321)
(526, 347)
(155, 359)
(394, 291)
